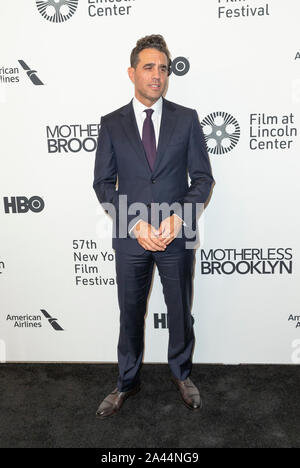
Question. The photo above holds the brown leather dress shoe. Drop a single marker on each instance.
(189, 393)
(114, 401)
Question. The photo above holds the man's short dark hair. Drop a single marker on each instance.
(155, 41)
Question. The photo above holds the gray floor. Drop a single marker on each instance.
(53, 405)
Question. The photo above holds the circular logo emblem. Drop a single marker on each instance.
(221, 132)
(180, 66)
(36, 204)
(57, 11)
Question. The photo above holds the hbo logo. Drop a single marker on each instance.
(23, 204)
(180, 66)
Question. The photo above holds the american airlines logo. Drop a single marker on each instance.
(31, 73)
(32, 321)
(52, 321)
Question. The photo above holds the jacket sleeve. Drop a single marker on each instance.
(199, 171)
(106, 171)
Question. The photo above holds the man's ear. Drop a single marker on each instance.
(131, 74)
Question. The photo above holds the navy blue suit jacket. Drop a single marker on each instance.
(121, 160)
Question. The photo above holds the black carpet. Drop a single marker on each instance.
(54, 405)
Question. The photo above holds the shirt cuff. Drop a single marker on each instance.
(134, 225)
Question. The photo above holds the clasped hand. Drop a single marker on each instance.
(157, 239)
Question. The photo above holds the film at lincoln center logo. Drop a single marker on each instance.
(221, 132)
(57, 11)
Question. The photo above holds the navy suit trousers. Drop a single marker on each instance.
(134, 276)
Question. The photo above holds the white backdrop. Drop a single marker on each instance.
(58, 76)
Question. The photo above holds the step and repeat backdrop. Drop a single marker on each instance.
(63, 64)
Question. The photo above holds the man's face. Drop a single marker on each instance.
(150, 76)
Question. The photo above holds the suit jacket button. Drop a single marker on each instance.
(153, 181)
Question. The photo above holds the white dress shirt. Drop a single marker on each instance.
(140, 116)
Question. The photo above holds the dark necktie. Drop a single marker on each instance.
(148, 138)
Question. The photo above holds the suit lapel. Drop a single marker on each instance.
(167, 126)
(131, 129)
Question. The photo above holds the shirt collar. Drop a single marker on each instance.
(139, 107)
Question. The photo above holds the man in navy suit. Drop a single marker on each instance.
(147, 149)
